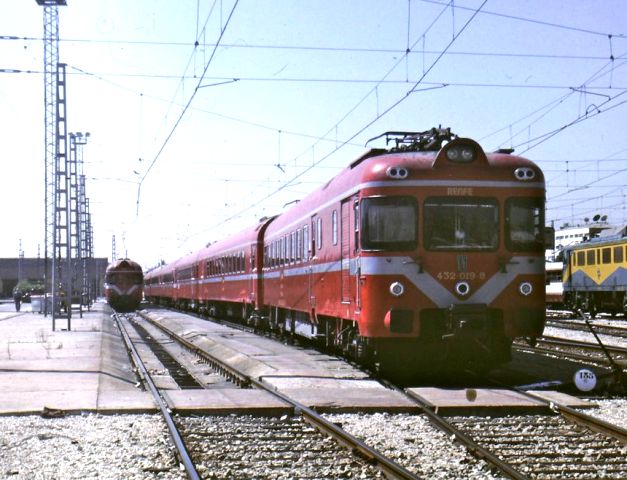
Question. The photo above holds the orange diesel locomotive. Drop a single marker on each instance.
(424, 255)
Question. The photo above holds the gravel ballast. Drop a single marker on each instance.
(138, 447)
(87, 447)
(613, 411)
(414, 443)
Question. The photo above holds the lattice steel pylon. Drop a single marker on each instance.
(78, 219)
(51, 124)
(114, 255)
(62, 248)
(92, 287)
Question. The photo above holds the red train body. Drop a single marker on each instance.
(428, 254)
(123, 285)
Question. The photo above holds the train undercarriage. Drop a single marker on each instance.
(613, 302)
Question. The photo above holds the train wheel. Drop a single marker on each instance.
(592, 307)
(330, 329)
(364, 353)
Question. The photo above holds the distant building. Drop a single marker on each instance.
(14, 269)
(567, 236)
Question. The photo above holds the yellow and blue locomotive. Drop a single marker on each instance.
(595, 275)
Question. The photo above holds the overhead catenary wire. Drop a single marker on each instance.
(272, 128)
(609, 35)
(361, 129)
(453, 6)
(275, 79)
(582, 117)
(540, 112)
(530, 20)
(187, 105)
(616, 44)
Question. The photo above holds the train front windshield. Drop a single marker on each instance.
(461, 223)
(115, 278)
(524, 224)
(389, 223)
(451, 223)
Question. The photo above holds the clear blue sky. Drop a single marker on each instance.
(291, 94)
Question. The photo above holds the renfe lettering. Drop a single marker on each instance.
(459, 191)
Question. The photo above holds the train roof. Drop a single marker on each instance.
(609, 236)
(432, 155)
(408, 161)
(124, 263)
(161, 270)
(186, 261)
(238, 241)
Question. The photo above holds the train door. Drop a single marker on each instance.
(345, 241)
(356, 254)
(349, 239)
(310, 251)
(254, 284)
(194, 282)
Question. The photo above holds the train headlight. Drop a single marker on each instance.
(468, 154)
(462, 288)
(525, 173)
(525, 288)
(460, 154)
(397, 172)
(397, 289)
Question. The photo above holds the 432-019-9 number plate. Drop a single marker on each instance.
(460, 275)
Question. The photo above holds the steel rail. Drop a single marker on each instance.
(473, 447)
(596, 424)
(179, 444)
(390, 468)
(572, 415)
(580, 344)
(599, 360)
(552, 342)
(229, 372)
(619, 331)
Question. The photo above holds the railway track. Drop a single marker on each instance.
(278, 443)
(601, 327)
(551, 445)
(548, 446)
(598, 343)
(181, 449)
(607, 356)
(552, 436)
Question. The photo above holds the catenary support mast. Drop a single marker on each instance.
(51, 127)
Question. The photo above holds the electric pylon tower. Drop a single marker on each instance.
(79, 219)
(55, 123)
(114, 255)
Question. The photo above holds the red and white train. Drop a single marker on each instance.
(425, 255)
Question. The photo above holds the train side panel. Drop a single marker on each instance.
(223, 278)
